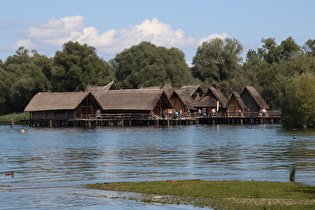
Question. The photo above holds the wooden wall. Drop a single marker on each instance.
(250, 103)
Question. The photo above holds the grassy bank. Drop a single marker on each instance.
(220, 194)
(17, 117)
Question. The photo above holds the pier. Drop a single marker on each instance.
(149, 120)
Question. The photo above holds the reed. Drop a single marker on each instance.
(16, 117)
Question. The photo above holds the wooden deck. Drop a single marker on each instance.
(148, 120)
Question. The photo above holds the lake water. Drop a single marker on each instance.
(52, 164)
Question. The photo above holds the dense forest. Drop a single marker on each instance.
(284, 73)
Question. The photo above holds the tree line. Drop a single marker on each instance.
(284, 73)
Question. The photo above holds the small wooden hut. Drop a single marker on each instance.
(62, 106)
(135, 101)
(212, 101)
(235, 106)
(181, 100)
(253, 101)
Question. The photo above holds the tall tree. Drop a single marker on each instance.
(23, 77)
(76, 66)
(270, 51)
(309, 47)
(6, 81)
(149, 65)
(217, 59)
(27, 85)
(298, 102)
(289, 48)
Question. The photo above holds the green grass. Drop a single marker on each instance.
(17, 117)
(221, 194)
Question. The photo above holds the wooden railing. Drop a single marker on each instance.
(126, 116)
(139, 116)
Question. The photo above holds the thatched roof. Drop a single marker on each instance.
(168, 89)
(210, 94)
(97, 90)
(191, 89)
(215, 85)
(151, 87)
(256, 96)
(238, 98)
(133, 99)
(185, 98)
(207, 101)
(43, 101)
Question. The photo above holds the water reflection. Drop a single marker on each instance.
(63, 156)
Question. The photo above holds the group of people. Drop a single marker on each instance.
(204, 113)
(177, 113)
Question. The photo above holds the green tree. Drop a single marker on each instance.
(76, 66)
(309, 47)
(217, 60)
(271, 78)
(6, 81)
(270, 51)
(289, 48)
(21, 78)
(149, 65)
(27, 85)
(43, 62)
(298, 102)
(21, 56)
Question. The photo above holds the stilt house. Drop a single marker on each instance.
(253, 101)
(181, 100)
(139, 101)
(62, 106)
(212, 99)
(235, 105)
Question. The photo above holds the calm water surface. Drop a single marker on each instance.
(52, 164)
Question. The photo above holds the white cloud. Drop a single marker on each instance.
(27, 43)
(213, 36)
(56, 32)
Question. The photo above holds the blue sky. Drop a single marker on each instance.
(114, 25)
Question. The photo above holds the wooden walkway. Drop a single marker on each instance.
(127, 120)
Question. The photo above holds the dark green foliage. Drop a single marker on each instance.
(148, 65)
(271, 52)
(309, 47)
(76, 66)
(217, 60)
(298, 108)
(21, 78)
(27, 85)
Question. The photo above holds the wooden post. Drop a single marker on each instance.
(12, 122)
